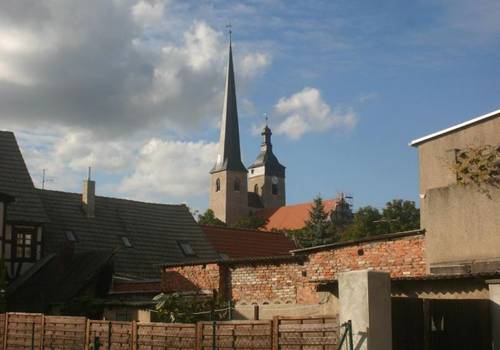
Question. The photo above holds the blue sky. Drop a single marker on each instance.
(134, 89)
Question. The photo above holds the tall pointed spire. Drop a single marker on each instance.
(229, 156)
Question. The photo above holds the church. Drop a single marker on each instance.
(235, 190)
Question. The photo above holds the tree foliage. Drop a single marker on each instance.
(175, 307)
(208, 218)
(397, 215)
(251, 222)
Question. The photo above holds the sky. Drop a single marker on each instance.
(134, 89)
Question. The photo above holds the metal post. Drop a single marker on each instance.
(229, 311)
(33, 336)
(97, 343)
(351, 344)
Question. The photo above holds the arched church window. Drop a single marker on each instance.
(237, 185)
(274, 189)
(217, 185)
(256, 188)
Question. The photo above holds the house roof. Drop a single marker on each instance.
(468, 123)
(154, 230)
(15, 181)
(291, 217)
(241, 243)
(54, 279)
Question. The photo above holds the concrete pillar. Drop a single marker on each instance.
(494, 288)
(365, 299)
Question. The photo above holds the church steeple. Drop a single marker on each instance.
(228, 179)
(229, 156)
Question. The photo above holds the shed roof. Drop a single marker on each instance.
(15, 181)
(154, 231)
(242, 243)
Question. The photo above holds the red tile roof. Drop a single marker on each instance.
(291, 217)
(243, 243)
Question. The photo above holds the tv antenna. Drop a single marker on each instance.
(45, 178)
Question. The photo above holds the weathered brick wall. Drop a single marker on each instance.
(403, 256)
(266, 282)
(295, 282)
(191, 278)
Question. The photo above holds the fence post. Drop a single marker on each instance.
(87, 335)
(6, 325)
(32, 335)
(109, 335)
(230, 311)
(42, 333)
(134, 335)
(275, 333)
(256, 312)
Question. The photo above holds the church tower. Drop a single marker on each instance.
(228, 183)
(267, 175)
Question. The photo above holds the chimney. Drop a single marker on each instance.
(88, 196)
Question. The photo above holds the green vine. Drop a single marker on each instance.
(479, 166)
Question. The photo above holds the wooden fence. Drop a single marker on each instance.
(23, 331)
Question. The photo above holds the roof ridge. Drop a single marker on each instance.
(242, 229)
(113, 198)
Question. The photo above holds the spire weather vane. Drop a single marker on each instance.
(229, 30)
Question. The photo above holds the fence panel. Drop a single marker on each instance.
(166, 336)
(248, 335)
(312, 333)
(64, 333)
(112, 335)
(23, 331)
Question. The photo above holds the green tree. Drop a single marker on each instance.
(251, 221)
(208, 218)
(400, 215)
(318, 226)
(175, 307)
(366, 222)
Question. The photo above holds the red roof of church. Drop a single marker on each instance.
(243, 243)
(291, 217)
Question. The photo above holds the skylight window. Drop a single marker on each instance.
(126, 241)
(70, 236)
(186, 248)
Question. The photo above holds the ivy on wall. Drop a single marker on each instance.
(479, 166)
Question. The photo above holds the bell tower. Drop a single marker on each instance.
(228, 177)
(266, 176)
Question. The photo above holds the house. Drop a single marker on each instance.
(131, 236)
(21, 241)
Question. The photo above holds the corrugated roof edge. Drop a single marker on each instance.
(478, 119)
(384, 237)
(277, 258)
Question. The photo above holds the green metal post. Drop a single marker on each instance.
(349, 325)
(97, 343)
(229, 311)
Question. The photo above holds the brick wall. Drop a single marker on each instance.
(192, 278)
(295, 281)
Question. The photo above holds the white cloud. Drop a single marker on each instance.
(306, 111)
(170, 168)
(112, 67)
(153, 169)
